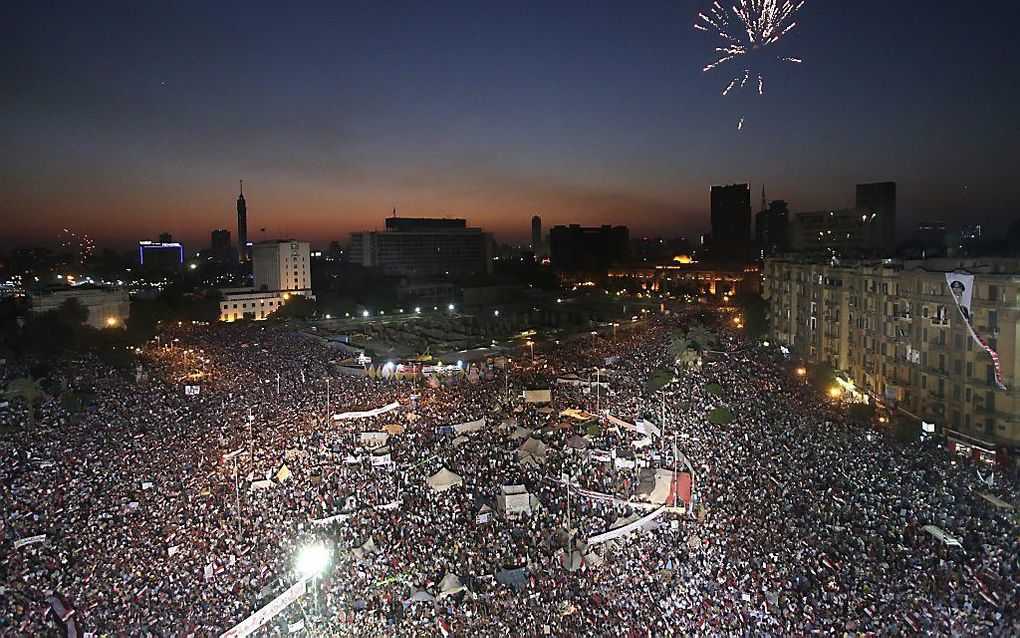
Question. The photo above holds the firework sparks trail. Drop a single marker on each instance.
(758, 24)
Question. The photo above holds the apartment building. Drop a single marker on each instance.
(894, 330)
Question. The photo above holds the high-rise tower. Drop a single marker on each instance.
(536, 237)
(242, 226)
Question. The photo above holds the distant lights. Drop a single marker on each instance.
(364, 313)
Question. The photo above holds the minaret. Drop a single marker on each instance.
(242, 226)
(763, 206)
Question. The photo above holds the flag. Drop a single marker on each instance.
(283, 474)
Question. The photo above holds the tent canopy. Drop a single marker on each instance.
(443, 480)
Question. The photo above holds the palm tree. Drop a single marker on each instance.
(28, 390)
(700, 336)
(678, 346)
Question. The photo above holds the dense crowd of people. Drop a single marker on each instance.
(174, 513)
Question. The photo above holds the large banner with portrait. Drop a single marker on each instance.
(961, 289)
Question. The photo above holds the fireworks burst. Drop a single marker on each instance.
(747, 28)
(80, 246)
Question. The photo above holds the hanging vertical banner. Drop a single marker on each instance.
(961, 288)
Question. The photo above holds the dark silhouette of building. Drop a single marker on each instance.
(242, 226)
(731, 222)
(577, 248)
(866, 231)
(771, 228)
(424, 246)
(166, 238)
(537, 245)
(878, 202)
(220, 244)
(164, 257)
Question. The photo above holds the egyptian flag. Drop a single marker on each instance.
(64, 615)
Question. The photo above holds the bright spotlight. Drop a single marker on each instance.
(364, 313)
(312, 560)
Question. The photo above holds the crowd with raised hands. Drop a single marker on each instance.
(164, 511)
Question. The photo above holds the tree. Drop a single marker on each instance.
(721, 416)
(73, 312)
(28, 390)
(297, 307)
(700, 336)
(658, 379)
(756, 325)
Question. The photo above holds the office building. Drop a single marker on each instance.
(160, 257)
(771, 228)
(894, 331)
(243, 253)
(220, 244)
(424, 247)
(537, 242)
(866, 231)
(280, 269)
(878, 201)
(591, 250)
(731, 223)
(281, 264)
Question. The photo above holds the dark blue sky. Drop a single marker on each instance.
(127, 119)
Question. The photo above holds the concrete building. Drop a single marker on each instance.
(591, 250)
(166, 257)
(865, 231)
(280, 269)
(537, 241)
(771, 229)
(220, 244)
(424, 247)
(894, 330)
(107, 308)
(731, 223)
(281, 264)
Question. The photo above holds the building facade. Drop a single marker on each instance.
(894, 330)
(423, 247)
(866, 231)
(693, 279)
(165, 257)
(281, 264)
(107, 308)
(583, 249)
(280, 270)
(771, 229)
(731, 223)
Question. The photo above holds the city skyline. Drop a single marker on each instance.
(127, 123)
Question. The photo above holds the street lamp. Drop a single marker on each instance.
(531, 344)
(450, 307)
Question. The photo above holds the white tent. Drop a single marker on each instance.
(532, 449)
(443, 480)
(450, 585)
(514, 499)
(521, 433)
(537, 396)
(470, 426)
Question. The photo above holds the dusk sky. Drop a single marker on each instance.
(126, 119)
